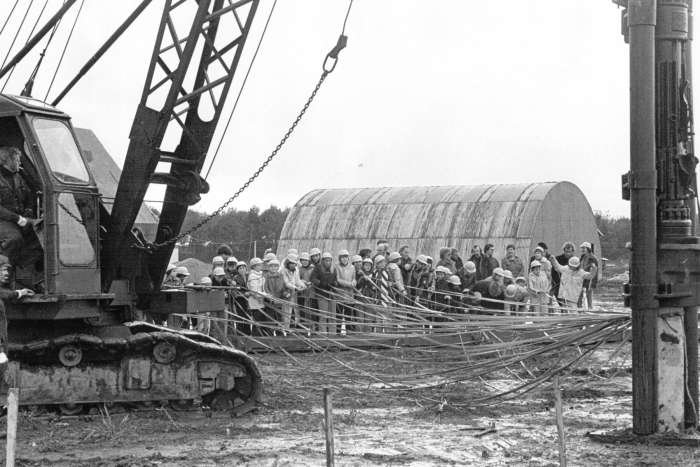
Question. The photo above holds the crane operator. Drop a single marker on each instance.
(15, 206)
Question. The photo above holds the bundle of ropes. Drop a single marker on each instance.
(424, 347)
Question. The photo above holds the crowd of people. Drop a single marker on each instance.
(314, 288)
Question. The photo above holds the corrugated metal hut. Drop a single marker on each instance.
(107, 173)
(428, 218)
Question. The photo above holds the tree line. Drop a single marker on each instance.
(251, 232)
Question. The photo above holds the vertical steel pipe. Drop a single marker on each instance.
(691, 313)
(642, 23)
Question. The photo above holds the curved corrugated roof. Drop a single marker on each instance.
(427, 218)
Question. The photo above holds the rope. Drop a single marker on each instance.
(7, 20)
(36, 23)
(29, 85)
(14, 39)
(65, 47)
(240, 91)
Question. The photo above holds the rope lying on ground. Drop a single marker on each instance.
(447, 349)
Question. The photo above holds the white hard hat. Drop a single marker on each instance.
(315, 251)
(574, 262)
(182, 271)
(511, 289)
(292, 258)
(305, 256)
(539, 248)
(326, 255)
(205, 280)
(269, 257)
(454, 280)
(520, 279)
(274, 261)
(470, 267)
(422, 259)
(585, 245)
(535, 264)
(219, 271)
(231, 259)
(379, 259)
(217, 259)
(429, 259)
(443, 270)
(343, 253)
(241, 264)
(292, 251)
(498, 271)
(367, 260)
(255, 262)
(508, 274)
(394, 255)
(356, 259)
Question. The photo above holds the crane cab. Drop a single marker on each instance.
(60, 257)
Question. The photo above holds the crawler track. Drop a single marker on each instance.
(151, 364)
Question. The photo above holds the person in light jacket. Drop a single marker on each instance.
(346, 284)
(256, 294)
(571, 277)
(538, 285)
(294, 284)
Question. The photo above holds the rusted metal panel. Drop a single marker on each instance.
(428, 218)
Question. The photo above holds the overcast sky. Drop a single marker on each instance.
(426, 93)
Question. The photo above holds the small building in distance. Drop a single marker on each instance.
(429, 218)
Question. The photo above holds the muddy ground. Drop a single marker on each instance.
(371, 428)
(432, 427)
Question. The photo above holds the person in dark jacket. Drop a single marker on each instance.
(324, 278)
(364, 279)
(446, 260)
(405, 263)
(488, 262)
(230, 269)
(7, 294)
(456, 259)
(240, 300)
(16, 213)
(418, 278)
(468, 275)
(512, 262)
(491, 288)
(218, 277)
(225, 252)
(476, 258)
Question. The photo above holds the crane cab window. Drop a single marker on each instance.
(75, 214)
(59, 147)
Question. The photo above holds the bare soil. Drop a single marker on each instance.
(371, 427)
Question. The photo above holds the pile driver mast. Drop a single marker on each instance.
(664, 289)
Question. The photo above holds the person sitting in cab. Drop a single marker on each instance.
(16, 201)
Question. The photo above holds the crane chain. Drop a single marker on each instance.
(256, 174)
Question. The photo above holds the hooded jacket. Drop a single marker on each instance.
(256, 283)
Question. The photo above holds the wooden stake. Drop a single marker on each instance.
(12, 408)
(328, 426)
(560, 422)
